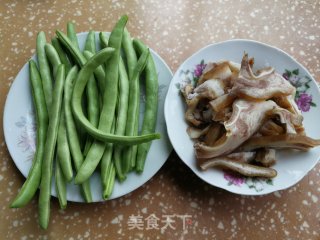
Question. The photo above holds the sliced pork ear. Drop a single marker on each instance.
(215, 71)
(266, 85)
(244, 157)
(284, 141)
(213, 134)
(267, 157)
(271, 128)
(245, 169)
(197, 132)
(288, 119)
(247, 117)
(222, 115)
(222, 102)
(209, 90)
(288, 103)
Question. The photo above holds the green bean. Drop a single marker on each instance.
(44, 69)
(109, 183)
(74, 51)
(91, 88)
(90, 44)
(106, 166)
(63, 152)
(62, 55)
(61, 189)
(81, 82)
(131, 56)
(109, 102)
(103, 40)
(80, 60)
(79, 115)
(72, 35)
(98, 73)
(122, 109)
(32, 183)
(72, 131)
(45, 185)
(53, 57)
(133, 108)
(151, 106)
(92, 93)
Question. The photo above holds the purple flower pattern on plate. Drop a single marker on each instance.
(258, 184)
(302, 84)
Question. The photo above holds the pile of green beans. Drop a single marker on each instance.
(77, 132)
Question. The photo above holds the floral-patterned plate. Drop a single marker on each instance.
(19, 130)
(291, 166)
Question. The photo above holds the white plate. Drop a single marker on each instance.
(291, 166)
(19, 132)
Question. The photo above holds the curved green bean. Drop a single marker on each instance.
(63, 152)
(45, 185)
(44, 69)
(79, 87)
(122, 109)
(32, 183)
(133, 108)
(109, 102)
(73, 138)
(151, 106)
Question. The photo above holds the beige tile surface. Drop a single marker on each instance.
(175, 29)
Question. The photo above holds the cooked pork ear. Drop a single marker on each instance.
(222, 115)
(271, 128)
(239, 167)
(244, 157)
(267, 157)
(222, 102)
(209, 90)
(215, 71)
(288, 103)
(247, 117)
(265, 85)
(284, 141)
(197, 132)
(214, 133)
(287, 118)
